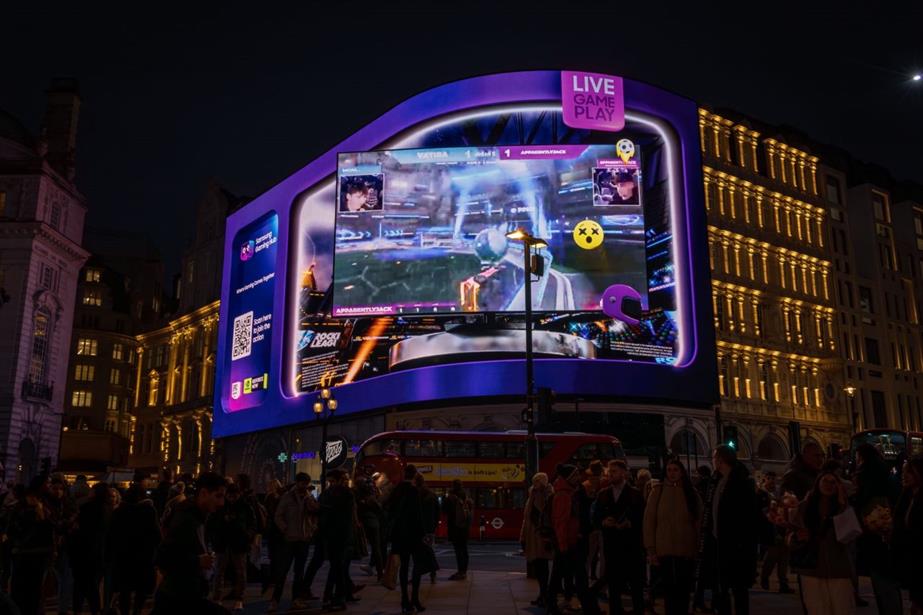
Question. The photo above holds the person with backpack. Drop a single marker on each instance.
(537, 534)
(459, 510)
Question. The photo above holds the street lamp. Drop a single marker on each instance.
(529, 243)
(850, 391)
(324, 408)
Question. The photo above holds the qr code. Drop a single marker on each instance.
(243, 336)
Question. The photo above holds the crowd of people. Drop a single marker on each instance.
(598, 533)
(591, 534)
(195, 543)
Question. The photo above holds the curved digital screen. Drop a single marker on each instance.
(398, 283)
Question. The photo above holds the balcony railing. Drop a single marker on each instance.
(37, 390)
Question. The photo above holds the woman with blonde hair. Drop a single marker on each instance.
(537, 534)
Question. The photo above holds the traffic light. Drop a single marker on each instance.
(730, 437)
(545, 406)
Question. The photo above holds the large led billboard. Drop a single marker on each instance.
(391, 275)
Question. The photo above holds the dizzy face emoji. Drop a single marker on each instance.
(588, 234)
(625, 149)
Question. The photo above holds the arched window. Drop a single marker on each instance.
(772, 449)
(688, 442)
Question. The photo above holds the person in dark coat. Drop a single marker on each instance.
(131, 545)
(371, 516)
(405, 514)
(732, 526)
(336, 528)
(803, 471)
(429, 503)
(184, 558)
(31, 535)
(875, 490)
(619, 513)
(89, 548)
(231, 530)
(908, 532)
(459, 511)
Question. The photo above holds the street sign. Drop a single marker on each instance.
(336, 451)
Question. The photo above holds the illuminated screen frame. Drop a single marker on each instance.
(691, 382)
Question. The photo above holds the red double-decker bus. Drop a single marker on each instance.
(491, 465)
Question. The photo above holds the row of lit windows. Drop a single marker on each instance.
(89, 347)
(92, 296)
(736, 144)
(752, 208)
(87, 373)
(743, 258)
(748, 376)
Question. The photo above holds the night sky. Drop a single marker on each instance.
(176, 96)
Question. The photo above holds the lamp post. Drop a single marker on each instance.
(850, 391)
(529, 242)
(324, 408)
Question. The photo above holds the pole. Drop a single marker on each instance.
(531, 441)
(323, 454)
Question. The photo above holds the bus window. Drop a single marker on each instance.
(422, 448)
(487, 498)
(517, 498)
(584, 455)
(380, 447)
(916, 446)
(492, 449)
(461, 448)
(515, 450)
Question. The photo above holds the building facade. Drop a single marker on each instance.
(174, 375)
(780, 373)
(41, 228)
(119, 293)
(877, 241)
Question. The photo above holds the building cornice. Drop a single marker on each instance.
(32, 229)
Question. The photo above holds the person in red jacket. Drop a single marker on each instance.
(567, 536)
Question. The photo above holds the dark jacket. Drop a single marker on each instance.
(89, 539)
(908, 543)
(28, 534)
(233, 527)
(735, 537)
(874, 488)
(430, 511)
(457, 526)
(618, 543)
(178, 556)
(799, 479)
(134, 534)
(337, 516)
(405, 517)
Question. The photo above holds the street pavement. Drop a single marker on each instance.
(497, 585)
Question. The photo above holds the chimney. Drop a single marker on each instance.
(59, 128)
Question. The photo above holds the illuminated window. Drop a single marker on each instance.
(92, 297)
(113, 402)
(86, 346)
(84, 373)
(81, 399)
(115, 376)
(117, 351)
(92, 275)
(723, 369)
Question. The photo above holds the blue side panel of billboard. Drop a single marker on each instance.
(277, 343)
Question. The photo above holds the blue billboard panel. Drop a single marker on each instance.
(396, 283)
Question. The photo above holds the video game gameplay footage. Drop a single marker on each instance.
(424, 230)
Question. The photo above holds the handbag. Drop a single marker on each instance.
(847, 526)
(425, 560)
(389, 577)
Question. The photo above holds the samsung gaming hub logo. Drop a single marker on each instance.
(250, 248)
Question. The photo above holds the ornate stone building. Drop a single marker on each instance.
(175, 367)
(773, 299)
(41, 228)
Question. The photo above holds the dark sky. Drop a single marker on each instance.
(174, 96)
